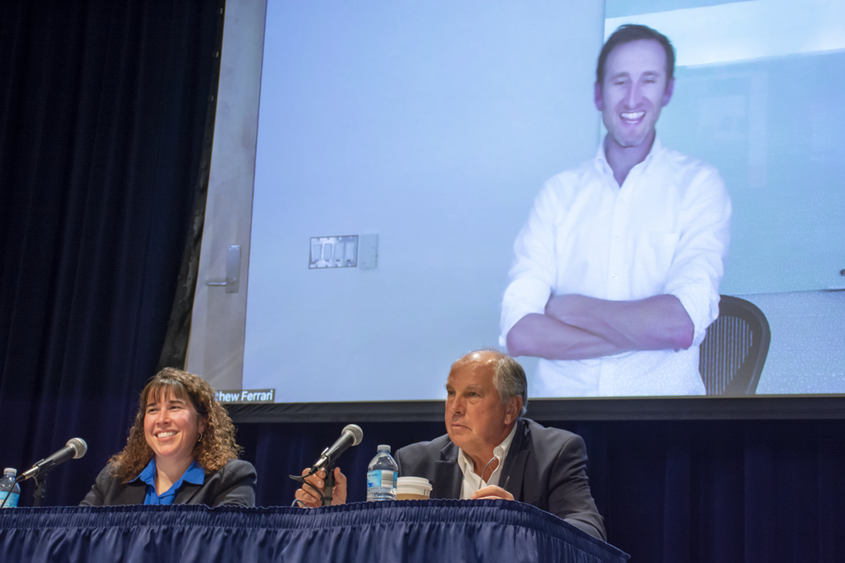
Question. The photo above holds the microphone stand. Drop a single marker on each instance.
(40, 483)
(327, 497)
(40, 489)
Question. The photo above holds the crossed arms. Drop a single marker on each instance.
(576, 327)
(667, 246)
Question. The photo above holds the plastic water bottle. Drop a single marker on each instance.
(8, 488)
(382, 474)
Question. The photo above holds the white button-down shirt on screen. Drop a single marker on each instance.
(665, 231)
(473, 482)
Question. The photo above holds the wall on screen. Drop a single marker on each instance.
(433, 125)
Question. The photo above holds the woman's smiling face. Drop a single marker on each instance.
(171, 425)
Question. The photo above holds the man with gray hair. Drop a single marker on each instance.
(491, 452)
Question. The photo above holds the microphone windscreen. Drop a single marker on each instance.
(356, 432)
(79, 447)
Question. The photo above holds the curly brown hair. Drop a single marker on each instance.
(218, 441)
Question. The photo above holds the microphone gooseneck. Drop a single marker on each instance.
(349, 437)
(74, 449)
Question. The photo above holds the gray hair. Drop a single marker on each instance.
(510, 381)
(508, 376)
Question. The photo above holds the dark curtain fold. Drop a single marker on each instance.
(103, 108)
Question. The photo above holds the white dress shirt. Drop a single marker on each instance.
(664, 231)
(473, 482)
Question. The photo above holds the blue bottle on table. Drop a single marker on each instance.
(10, 492)
(382, 474)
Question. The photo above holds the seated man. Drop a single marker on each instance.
(491, 452)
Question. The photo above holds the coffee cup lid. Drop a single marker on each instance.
(414, 481)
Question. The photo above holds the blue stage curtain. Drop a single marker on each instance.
(683, 491)
(103, 110)
(406, 531)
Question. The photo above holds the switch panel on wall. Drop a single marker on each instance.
(334, 252)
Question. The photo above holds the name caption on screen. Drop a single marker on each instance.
(246, 396)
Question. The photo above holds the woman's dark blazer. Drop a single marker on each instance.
(234, 484)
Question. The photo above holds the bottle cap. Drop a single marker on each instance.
(383, 447)
(10, 470)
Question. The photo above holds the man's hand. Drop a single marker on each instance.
(311, 498)
(492, 492)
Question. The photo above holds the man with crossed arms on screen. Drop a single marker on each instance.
(490, 452)
(616, 274)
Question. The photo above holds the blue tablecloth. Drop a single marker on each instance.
(406, 531)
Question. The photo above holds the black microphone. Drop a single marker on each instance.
(75, 449)
(351, 436)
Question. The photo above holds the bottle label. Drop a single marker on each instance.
(13, 499)
(381, 478)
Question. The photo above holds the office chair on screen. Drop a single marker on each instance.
(734, 350)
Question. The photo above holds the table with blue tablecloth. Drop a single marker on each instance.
(407, 531)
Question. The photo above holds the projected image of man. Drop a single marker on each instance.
(616, 274)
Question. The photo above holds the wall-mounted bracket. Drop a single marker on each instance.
(233, 268)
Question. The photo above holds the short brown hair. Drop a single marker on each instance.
(633, 32)
(218, 441)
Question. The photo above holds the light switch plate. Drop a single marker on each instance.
(368, 252)
(333, 252)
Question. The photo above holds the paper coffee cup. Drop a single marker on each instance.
(413, 488)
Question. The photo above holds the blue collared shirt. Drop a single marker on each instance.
(195, 474)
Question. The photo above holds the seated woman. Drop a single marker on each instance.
(181, 450)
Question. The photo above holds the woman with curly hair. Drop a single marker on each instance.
(181, 450)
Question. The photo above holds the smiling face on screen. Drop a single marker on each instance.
(634, 90)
